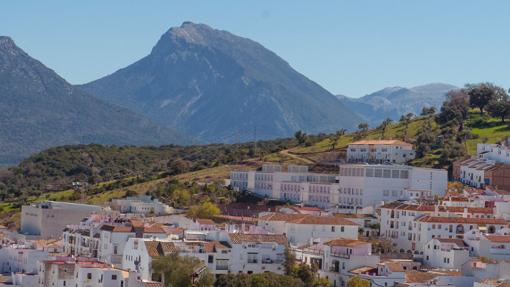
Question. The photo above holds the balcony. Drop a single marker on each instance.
(222, 267)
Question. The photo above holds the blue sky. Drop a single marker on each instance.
(349, 47)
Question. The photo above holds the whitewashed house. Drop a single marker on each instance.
(446, 253)
(303, 228)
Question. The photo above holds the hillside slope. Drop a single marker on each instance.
(219, 87)
(39, 109)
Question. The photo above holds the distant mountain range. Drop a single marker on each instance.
(394, 102)
(219, 87)
(39, 109)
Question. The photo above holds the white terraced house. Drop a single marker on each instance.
(495, 152)
(380, 151)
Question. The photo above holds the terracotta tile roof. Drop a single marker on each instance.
(159, 248)
(431, 208)
(498, 238)
(364, 270)
(381, 142)
(306, 219)
(437, 219)
(154, 228)
(345, 242)
(456, 241)
(153, 284)
(238, 238)
(215, 246)
(205, 221)
(123, 229)
(419, 276)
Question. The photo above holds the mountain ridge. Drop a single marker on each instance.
(392, 102)
(220, 87)
(39, 109)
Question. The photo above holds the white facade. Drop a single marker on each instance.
(380, 151)
(371, 185)
(302, 228)
(446, 253)
(473, 171)
(66, 272)
(494, 152)
(357, 186)
(142, 204)
(48, 219)
(18, 258)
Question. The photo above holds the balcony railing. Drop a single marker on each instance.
(221, 267)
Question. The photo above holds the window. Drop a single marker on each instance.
(114, 276)
(89, 276)
(378, 173)
(332, 229)
(342, 229)
(210, 259)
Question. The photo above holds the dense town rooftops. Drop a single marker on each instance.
(306, 219)
(462, 220)
(238, 238)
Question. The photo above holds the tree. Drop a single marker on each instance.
(384, 125)
(428, 111)
(336, 137)
(177, 166)
(455, 109)
(406, 120)
(424, 139)
(301, 137)
(363, 127)
(266, 279)
(205, 210)
(356, 281)
(499, 108)
(289, 264)
(307, 274)
(178, 270)
(480, 95)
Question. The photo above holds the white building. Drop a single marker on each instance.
(494, 152)
(473, 172)
(142, 204)
(296, 184)
(388, 273)
(446, 253)
(257, 253)
(336, 258)
(380, 151)
(139, 253)
(304, 228)
(358, 186)
(48, 219)
(495, 246)
(363, 185)
(67, 271)
(20, 259)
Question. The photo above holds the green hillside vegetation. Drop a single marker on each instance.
(182, 176)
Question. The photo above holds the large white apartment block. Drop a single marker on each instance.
(303, 228)
(20, 259)
(48, 219)
(473, 171)
(364, 185)
(380, 151)
(356, 186)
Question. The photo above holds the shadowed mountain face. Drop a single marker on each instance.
(219, 87)
(396, 101)
(39, 109)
